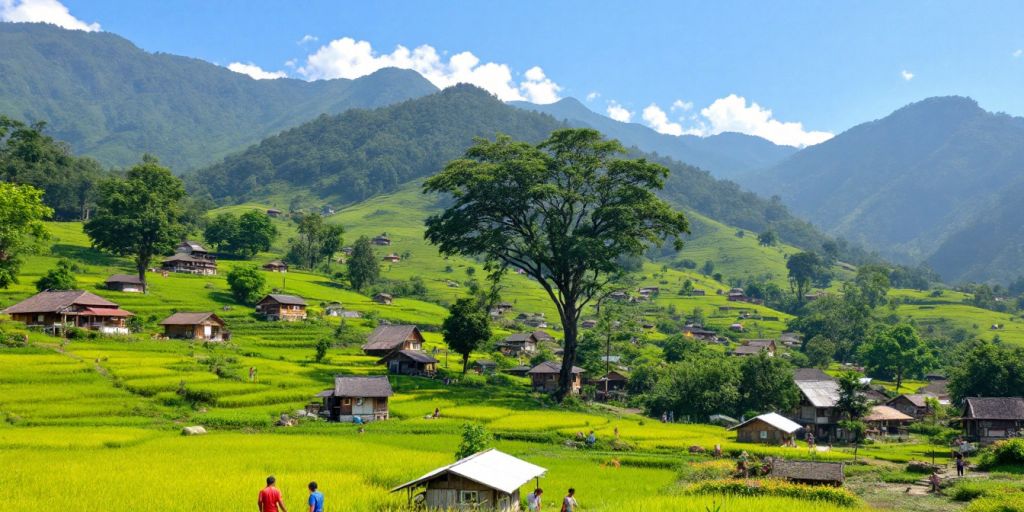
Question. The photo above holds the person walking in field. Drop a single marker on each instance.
(270, 497)
(316, 499)
(960, 464)
(569, 502)
(533, 500)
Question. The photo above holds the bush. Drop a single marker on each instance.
(247, 284)
(1009, 503)
(770, 487)
(1003, 453)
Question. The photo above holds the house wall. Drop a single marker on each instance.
(283, 312)
(197, 332)
(125, 287)
(443, 493)
(990, 431)
(760, 432)
(370, 410)
(548, 382)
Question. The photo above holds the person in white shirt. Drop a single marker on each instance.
(569, 503)
(533, 500)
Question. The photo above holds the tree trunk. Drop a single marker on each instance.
(570, 330)
(141, 264)
(465, 362)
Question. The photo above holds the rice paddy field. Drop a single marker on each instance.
(94, 422)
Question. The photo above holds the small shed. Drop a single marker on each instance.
(886, 420)
(392, 258)
(383, 298)
(194, 326)
(273, 212)
(409, 362)
(545, 377)
(806, 472)
(125, 283)
(334, 309)
(770, 428)
(277, 306)
(381, 239)
(275, 266)
(517, 343)
(363, 397)
(488, 480)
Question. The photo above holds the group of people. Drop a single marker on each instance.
(533, 501)
(270, 498)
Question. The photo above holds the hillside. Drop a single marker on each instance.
(114, 101)
(727, 155)
(931, 182)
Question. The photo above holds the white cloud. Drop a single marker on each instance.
(593, 96)
(1018, 53)
(348, 58)
(46, 11)
(307, 39)
(618, 112)
(732, 114)
(907, 75)
(291, 63)
(685, 106)
(255, 71)
(657, 119)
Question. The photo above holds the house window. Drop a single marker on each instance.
(996, 432)
(39, 318)
(467, 496)
(763, 434)
(346, 401)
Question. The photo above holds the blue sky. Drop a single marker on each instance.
(825, 65)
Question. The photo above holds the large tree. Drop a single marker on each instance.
(363, 268)
(140, 215)
(895, 351)
(987, 369)
(466, 328)
(766, 384)
(21, 227)
(803, 267)
(563, 211)
(242, 236)
(317, 240)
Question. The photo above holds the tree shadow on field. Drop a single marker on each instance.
(331, 284)
(86, 255)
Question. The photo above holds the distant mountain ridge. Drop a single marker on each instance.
(932, 182)
(727, 155)
(113, 101)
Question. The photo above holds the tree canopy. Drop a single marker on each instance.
(21, 227)
(363, 268)
(466, 328)
(563, 211)
(892, 352)
(243, 235)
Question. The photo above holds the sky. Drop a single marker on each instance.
(795, 73)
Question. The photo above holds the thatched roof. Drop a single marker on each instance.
(994, 408)
(806, 471)
(885, 413)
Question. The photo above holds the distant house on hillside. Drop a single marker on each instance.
(738, 295)
(819, 393)
(386, 339)
(806, 472)
(409, 362)
(519, 371)
(545, 377)
(939, 388)
(187, 264)
(770, 428)
(484, 366)
(381, 239)
(273, 212)
(517, 343)
(697, 292)
(700, 333)
(542, 336)
(755, 347)
(275, 266)
(351, 397)
(392, 258)
(72, 308)
(914, 405)
(488, 480)
(611, 384)
(194, 326)
(333, 309)
(280, 307)
(124, 283)
(383, 298)
(790, 339)
(588, 324)
(990, 419)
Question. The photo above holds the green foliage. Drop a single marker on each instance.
(1009, 452)
(21, 227)
(316, 241)
(247, 284)
(820, 350)
(766, 384)
(768, 238)
(803, 268)
(696, 388)
(61, 277)
(243, 235)
(475, 438)
(322, 345)
(466, 328)
(140, 215)
(363, 268)
(769, 487)
(894, 352)
(987, 369)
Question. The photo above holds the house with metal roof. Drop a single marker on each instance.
(769, 428)
(488, 480)
(819, 393)
(352, 397)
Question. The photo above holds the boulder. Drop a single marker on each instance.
(196, 430)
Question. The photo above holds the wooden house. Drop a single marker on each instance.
(519, 371)
(807, 472)
(273, 212)
(186, 264)
(544, 377)
(700, 333)
(518, 343)
(938, 388)
(194, 326)
(612, 384)
(409, 362)
(697, 292)
(275, 266)
(819, 393)
(503, 307)
(125, 283)
(542, 336)
(588, 324)
(488, 480)
(791, 339)
(383, 298)
(280, 307)
(363, 397)
(334, 309)
(913, 405)
(884, 420)
(386, 339)
(770, 428)
(381, 239)
(392, 258)
(755, 347)
(990, 419)
(194, 249)
(71, 308)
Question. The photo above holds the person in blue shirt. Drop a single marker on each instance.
(316, 499)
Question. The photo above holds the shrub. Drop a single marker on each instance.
(771, 487)
(1003, 453)
(247, 284)
(1009, 503)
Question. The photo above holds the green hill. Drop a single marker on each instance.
(113, 101)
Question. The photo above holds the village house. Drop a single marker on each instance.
(791, 339)
(813, 296)
(542, 336)
(72, 308)
(755, 347)
(738, 295)
(194, 326)
(362, 397)
(333, 309)
(187, 264)
(618, 295)
(884, 420)
(519, 371)
(275, 266)
(990, 419)
(819, 393)
(280, 307)
(409, 362)
(938, 388)
(697, 292)
(588, 324)
(386, 339)
(381, 239)
(383, 298)
(913, 405)
(807, 472)
(648, 291)
(488, 480)
(484, 366)
(273, 212)
(392, 258)
(125, 283)
(770, 428)
(544, 377)
(518, 343)
(700, 333)
(612, 384)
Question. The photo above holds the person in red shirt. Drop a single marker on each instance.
(270, 498)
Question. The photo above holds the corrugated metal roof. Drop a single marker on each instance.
(820, 393)
(776, 420)
(492, 468)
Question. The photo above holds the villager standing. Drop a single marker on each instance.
(569, 502)
(533, 500)
(960, 464)
(316, 498)
(270, 498)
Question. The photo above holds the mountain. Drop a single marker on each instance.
(360, 153)
(936, 181)
(113, 101)
(727, 155)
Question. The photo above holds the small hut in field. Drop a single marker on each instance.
(488, 480)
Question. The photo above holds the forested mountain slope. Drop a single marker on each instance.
(114, 101)
(930, 182)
